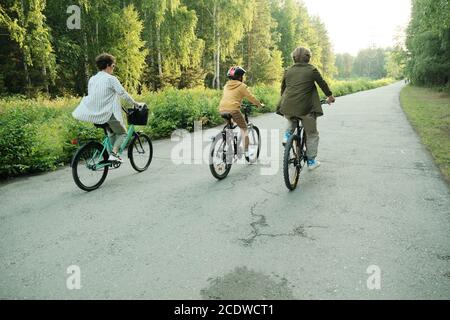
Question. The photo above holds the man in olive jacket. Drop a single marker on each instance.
(300, 100)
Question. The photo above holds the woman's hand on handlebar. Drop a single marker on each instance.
(139, 104)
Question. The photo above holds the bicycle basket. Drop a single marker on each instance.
(138, 116)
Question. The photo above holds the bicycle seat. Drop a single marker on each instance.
(226, 115)
(103, 126)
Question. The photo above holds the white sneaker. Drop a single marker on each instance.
(312, 165)
(115, 158)
(286, 137)
(249, 155)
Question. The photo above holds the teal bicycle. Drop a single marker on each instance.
(90, 162)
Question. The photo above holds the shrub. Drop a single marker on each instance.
(17, 137)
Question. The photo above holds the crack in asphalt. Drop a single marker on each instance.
(269, 192)
(298, 231)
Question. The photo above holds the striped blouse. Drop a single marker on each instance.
(102, 100)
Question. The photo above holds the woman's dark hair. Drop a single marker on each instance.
(104, 60)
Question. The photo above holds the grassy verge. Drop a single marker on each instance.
(429, 112)
(36, 135)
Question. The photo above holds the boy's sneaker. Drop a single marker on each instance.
(313, 164)
(114, 158)
(286, 137)
(249, 155)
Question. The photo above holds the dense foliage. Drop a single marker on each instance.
(428, 43)
(372, 63)
(158, 43)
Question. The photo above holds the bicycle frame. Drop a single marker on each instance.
(107, 146)
(300, 132)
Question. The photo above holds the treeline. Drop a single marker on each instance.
(372, 63)
(158, 43)
(427, 54)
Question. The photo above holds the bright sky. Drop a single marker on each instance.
(358, 24)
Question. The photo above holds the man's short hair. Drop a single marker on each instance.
(104, 60)
(301, 55)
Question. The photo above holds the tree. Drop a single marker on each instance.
(327, 58)
(428, 42)
(181, 49)
(285, 15)
(263, 59)
(25, 22)
(179, 43)
(222, 24)
(344, 65)
(395, 63)
(308, 36)
(155, 12)
(370, 63)
(129, 47)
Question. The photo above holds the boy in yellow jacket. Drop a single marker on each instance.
(233, 93)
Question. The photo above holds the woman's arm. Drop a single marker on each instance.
(283, 83)
(120, 90)
(321, 82)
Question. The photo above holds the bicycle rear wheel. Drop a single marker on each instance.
(89, 169)
(140, 152)
(292, 161)
(218, 164)
(254, 143)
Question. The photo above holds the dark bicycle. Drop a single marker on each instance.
(90, 162)
(225, 148)
(295, 158)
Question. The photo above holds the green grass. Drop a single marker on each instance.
(429, 112)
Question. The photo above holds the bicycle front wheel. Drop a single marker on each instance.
(140, 152)
(90, 166)
(292, 161)
(218, 164)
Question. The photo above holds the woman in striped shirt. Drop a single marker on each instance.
(102, 104)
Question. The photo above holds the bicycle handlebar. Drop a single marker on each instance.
(322, 102)
(136, 106)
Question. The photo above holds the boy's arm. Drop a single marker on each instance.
(120, 90)
(250, 97)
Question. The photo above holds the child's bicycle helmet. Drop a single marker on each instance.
(235, 73)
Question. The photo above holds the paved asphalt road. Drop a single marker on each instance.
(174, 232)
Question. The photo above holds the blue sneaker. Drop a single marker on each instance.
(286, 137)
(313, 164)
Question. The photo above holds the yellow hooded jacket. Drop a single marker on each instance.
(233, 93)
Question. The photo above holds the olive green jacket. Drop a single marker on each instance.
(299, 95)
